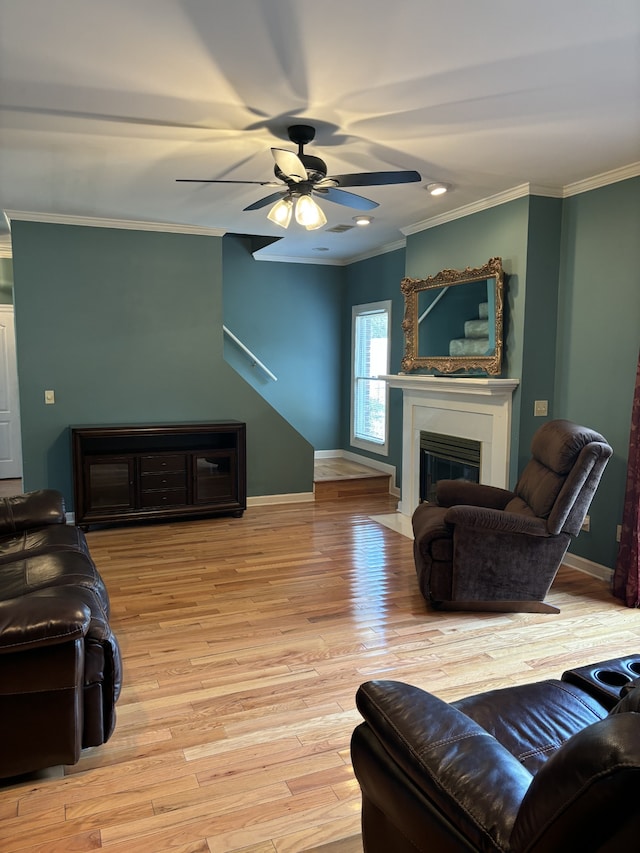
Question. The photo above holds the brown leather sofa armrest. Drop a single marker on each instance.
(457, 766)
(494, 519)
(585, 797)
(42, 618)
(452, 492)
(32, 509)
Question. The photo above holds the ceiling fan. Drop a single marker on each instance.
(302, 175)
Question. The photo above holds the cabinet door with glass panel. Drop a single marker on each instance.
(215, 476)
(109, 483)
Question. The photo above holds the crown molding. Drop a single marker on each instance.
(381, 250)
(603, 180)
(290, 259)
(468, 209)
(595, 182)
(123, 224)
(548, 192)
(342, 262)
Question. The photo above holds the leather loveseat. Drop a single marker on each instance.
(60, 668)
(547, 767)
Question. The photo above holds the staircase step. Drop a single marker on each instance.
(329, 490)
(469, 346)
(476, 329)
(337, 477)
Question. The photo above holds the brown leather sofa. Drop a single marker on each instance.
(60, 668)
(547, 767)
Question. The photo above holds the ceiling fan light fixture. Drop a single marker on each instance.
(281, 212)
(363, 219)
(309, 214)
(437, 188)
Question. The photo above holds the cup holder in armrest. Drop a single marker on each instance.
(605, 679)
(611, 678)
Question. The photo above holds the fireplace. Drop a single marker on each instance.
(475, 408)
(446, 457)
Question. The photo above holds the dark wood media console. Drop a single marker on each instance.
(152, 471)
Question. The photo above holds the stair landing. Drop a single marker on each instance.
(341, 478)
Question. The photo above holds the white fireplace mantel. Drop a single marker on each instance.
(477, 408)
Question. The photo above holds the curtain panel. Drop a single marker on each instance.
(626, 577)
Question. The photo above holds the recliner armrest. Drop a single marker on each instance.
(42, 618)
(468, 776)
(32, 509)
(496, 520)
(452, 492)
(586, 795)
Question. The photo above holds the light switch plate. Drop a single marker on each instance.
(49, 398)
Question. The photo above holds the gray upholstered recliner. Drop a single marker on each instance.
(484, 548)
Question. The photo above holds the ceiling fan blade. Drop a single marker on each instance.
(263, 202)
(348, 199)
(214, 181)
(289, 164)
(371, 179)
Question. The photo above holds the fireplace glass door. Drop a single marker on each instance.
(446, 457)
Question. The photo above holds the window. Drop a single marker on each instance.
(370, 358)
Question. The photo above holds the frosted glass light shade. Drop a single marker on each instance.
(281, 212)
(309, 214)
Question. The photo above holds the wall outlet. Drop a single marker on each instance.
(618, 532)
(586, 524)
(540, 408)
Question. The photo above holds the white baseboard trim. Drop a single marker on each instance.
(293, 498)
(596, 570)
(363, 460)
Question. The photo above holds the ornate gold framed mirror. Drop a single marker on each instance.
(453, 320)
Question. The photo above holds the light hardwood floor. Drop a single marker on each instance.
(244, 641)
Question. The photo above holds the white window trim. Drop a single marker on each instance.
(382, 449)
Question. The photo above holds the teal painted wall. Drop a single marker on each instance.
(126, 327)
(501, 231)
(289, 316)
(572, 320)
(598, 339)
(540, 313)
(375, 280)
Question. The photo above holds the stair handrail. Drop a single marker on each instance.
(430, 308)
(254, 358)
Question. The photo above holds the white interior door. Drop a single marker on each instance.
(10, 441)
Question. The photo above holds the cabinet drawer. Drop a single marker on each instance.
(168, 497)
(163, 462)
(164, 481)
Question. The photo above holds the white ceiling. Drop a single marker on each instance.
(103, 103)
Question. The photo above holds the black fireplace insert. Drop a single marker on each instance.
(446, 457)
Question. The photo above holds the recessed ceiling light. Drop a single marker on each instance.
(363, 219)
(437, 189)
